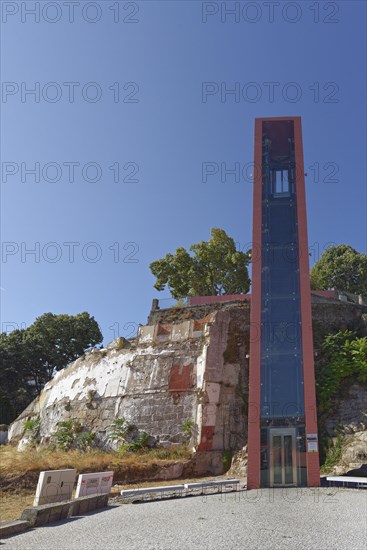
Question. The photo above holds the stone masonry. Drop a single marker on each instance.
(186, 364)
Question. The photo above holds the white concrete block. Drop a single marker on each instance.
(54, 486)
(98, 483)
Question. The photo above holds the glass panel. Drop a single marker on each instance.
(264, 460)
(281, 181)
(281, 256)
(282, 223)
(284, 310)
(278, 182)
(281, 391)
(282, 282)
(288, 459)
(277, 459)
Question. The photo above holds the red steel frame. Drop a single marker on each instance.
(312, 459)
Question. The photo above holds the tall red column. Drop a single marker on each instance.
(253, 464)
(312, 455)
(312, 458)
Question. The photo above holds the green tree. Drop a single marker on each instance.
(215, 267)
(56, 340)
(340, 267)
(30, 357)
(15, 393)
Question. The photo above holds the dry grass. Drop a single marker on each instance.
(14, 464)
(13, 504)
(19, 471)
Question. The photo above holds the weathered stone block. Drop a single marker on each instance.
(83, 505)
(46, 513)
(58, 513)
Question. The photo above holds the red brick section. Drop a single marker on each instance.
(164, 329)
(312, 459)
(181, 378)
(253, 466)
(206, 442)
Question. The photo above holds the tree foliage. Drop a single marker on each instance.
(215, 267)
(29, 357)
(340, 267)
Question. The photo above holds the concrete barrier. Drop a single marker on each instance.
(83, 505)
(8, 528)
(231, 484)
(361, 482)
(50, 513)
(182, 490)
(46, 513)
(149, 490)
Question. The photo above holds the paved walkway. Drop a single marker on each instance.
(294, 519)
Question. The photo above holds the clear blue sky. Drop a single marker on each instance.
(160, 129)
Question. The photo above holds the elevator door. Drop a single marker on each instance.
(283, 459)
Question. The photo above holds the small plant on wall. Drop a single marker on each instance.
(32, 428)
(91, 395)
(70, 434)
(141, 442)
(84, 440)
(120, 429)
(187, 427)
(227, 459)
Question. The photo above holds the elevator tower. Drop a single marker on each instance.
(282, 429)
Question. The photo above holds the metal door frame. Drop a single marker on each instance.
(282, 432)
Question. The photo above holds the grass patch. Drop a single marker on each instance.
(13, 504)
(20, 470)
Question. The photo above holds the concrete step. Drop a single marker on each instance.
(8, 528)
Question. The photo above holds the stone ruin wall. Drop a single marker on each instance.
(169, 374)
(150, 384)
(186, 364)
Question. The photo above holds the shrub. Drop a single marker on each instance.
(70, 434)
(84, 440)
(345, 356)
(119, 429)
(227, 459)
(137, 444)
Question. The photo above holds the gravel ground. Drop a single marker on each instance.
(268, 519)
